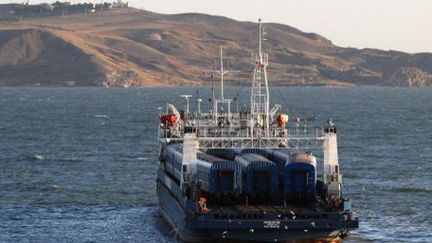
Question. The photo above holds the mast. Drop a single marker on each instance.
(222, 73)
(260, 90)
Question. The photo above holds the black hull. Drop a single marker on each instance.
(197, 229)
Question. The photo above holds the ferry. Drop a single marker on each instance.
(249, 174)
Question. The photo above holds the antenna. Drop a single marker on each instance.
(222, 72)
(212, 86)
(259, 39)
(260, 91)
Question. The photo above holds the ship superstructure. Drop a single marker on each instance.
(249, 174)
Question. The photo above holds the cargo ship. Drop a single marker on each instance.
(249, 174)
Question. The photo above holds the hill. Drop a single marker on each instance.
(140, 48)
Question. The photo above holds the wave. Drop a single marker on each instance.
(39, 157)
(35, 157)
(68, 159)
(413, 189)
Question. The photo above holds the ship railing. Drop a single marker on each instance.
(235, 136)
(260, 142)
(212, 116)
(236, 131)
(170, 133)
(291, 133)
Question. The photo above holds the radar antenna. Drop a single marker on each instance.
(186, 97)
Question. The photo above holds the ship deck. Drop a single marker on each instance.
(266, 212)
(266, 208)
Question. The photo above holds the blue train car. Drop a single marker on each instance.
(218, 175)
(281, 160)
(263, 152)
(173, 161)
(231, 153)
(259, 174)
(303, 178)
(224, 153)
(297, 172)
(302, 167)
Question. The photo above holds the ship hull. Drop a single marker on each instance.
(195, 229)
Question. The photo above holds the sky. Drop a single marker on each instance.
(404, 25)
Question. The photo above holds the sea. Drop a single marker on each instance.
(79, 164)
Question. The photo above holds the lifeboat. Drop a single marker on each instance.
(168, 119)
(282, 120)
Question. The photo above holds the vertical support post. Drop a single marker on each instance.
(229, 110)
(215, 110)
(199, 107)
(186, 97)
(332, 175)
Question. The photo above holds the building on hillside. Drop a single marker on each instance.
(120, 4)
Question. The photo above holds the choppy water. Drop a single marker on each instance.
(78, 165)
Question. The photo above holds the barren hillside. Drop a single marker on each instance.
(139, 48)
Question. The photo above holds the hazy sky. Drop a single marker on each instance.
(404, 25)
